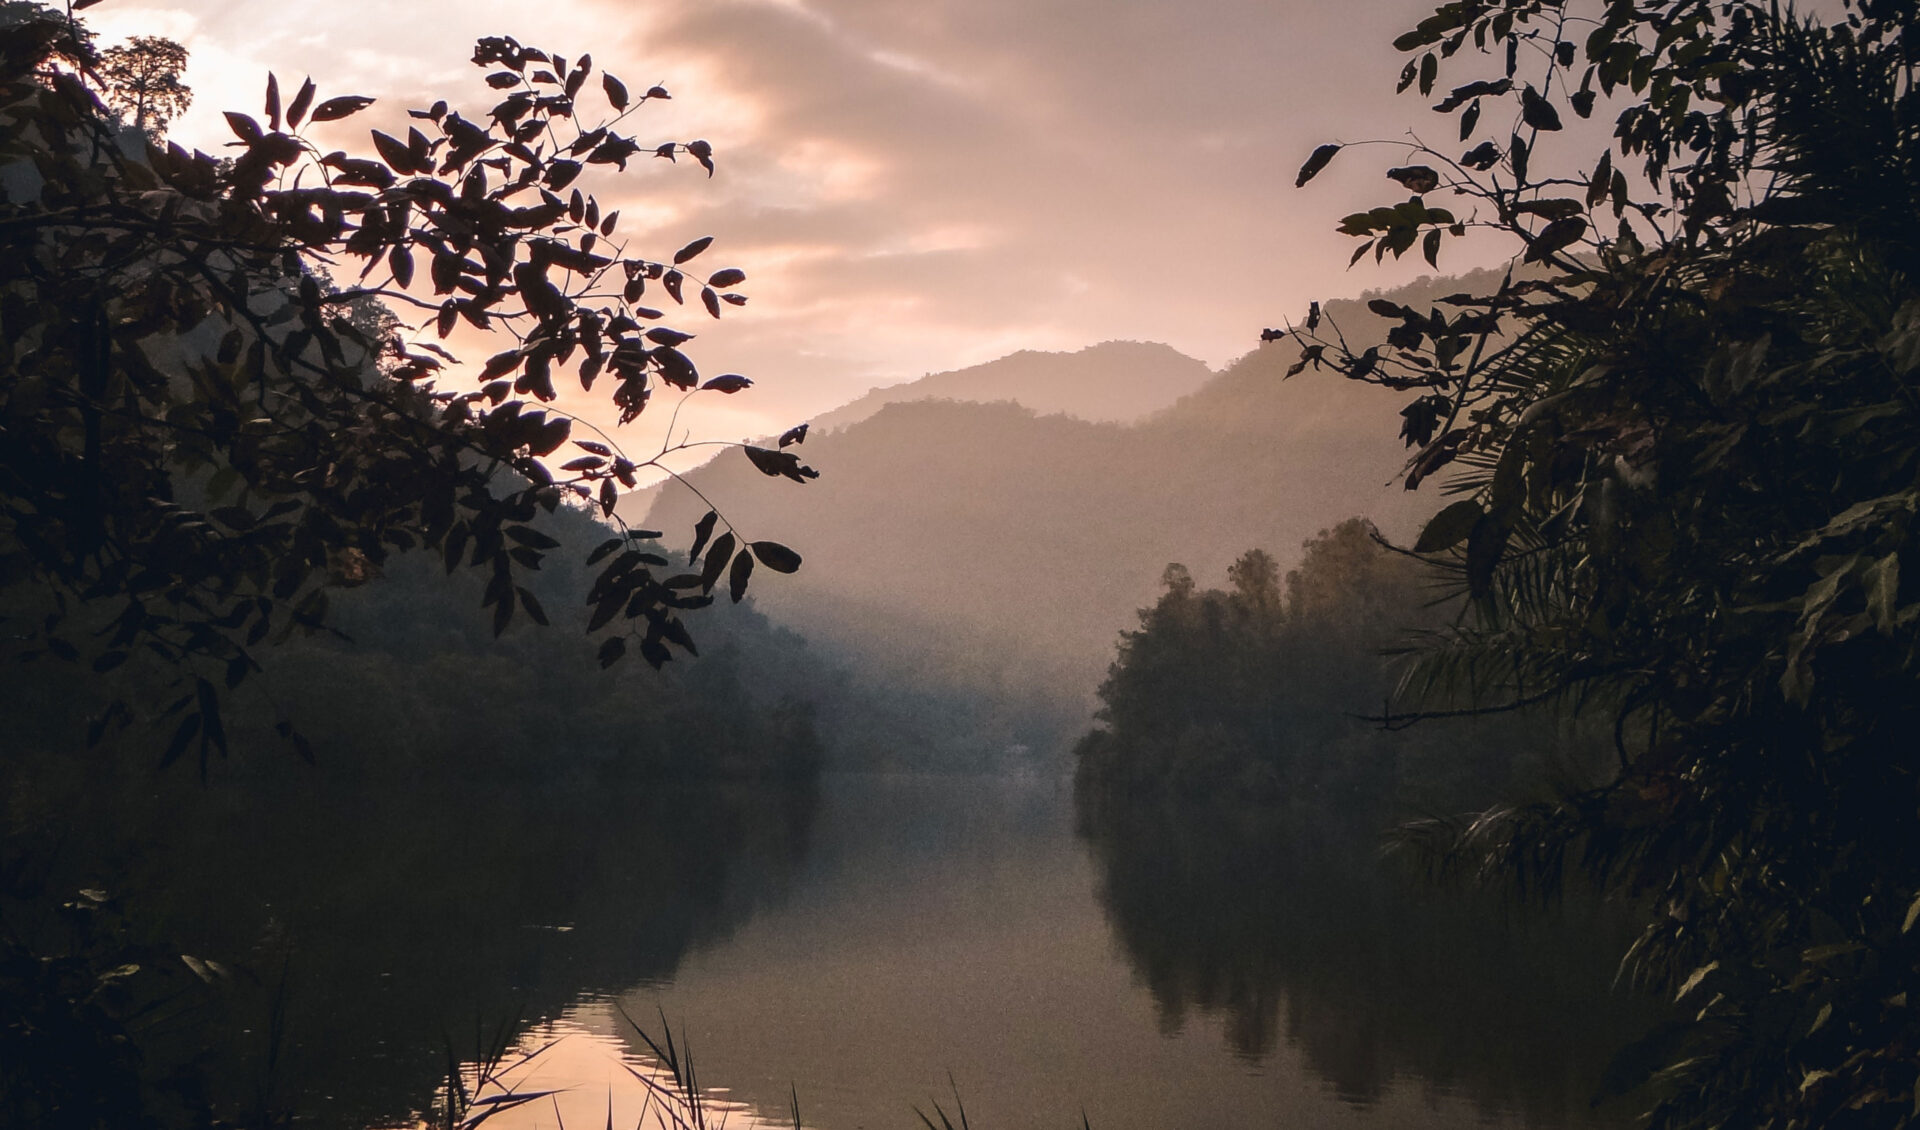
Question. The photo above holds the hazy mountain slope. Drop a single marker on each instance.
(1115, 382)
(957, 548)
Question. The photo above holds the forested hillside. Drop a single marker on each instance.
(926, 533)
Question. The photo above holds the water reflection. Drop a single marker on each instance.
(1295, 932)
(573, 1071)
(1163, 967)
(377, 930)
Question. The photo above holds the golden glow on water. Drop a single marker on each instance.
(573, 1072)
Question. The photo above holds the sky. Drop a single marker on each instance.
(911, 187)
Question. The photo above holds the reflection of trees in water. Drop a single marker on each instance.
(1279, 928)
(405, 920)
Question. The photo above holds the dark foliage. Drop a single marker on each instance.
(201, 442)
(1686, 452)
(1271, 691)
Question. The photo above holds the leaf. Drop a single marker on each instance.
(1693, 980)
(710, 300)
(1537, 111)
(1554, 237)
(532, 605)
(727, 276)
(795, 434)
(616, 91)
(301, 101)
(1913, 915)
(611, 650)
(1601, 180)
(400, 262)
(560, 174)
(675, 367)
(1883, 589)
(1415, 178)
(273, 101)
(600, 551)
(392, 150)
(244, 127)
(334, 109)
(776, 556)
(727, 382)
(717, 559)
(1316, 161)
(1473, 92)
(692, 249)
(188, 729)
(1470, 119)
(702, 530)
(1448, 528)
(703, 153)
(528, 536)
(737, 577)
(779, 463)
(1430, 247)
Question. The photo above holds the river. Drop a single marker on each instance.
(884, 944)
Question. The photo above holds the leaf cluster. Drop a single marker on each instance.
(200, 435)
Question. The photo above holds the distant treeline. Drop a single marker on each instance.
(415, 685)
(1274, 689)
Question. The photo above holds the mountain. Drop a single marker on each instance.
(1113, 382)
(977, 561)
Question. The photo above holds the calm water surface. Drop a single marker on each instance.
(1150, 966)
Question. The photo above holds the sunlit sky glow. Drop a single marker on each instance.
(910, 187)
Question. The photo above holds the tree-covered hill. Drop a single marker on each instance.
(978, 560)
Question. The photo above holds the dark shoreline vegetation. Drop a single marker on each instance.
(1276, 692)
(1657, 639)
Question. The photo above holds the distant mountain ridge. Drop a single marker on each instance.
(957, 548)
(1112, 382)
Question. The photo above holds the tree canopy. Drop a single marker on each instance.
(200, 435)
(1684, 442)
(143, 81)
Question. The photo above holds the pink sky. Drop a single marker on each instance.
(911, 186)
